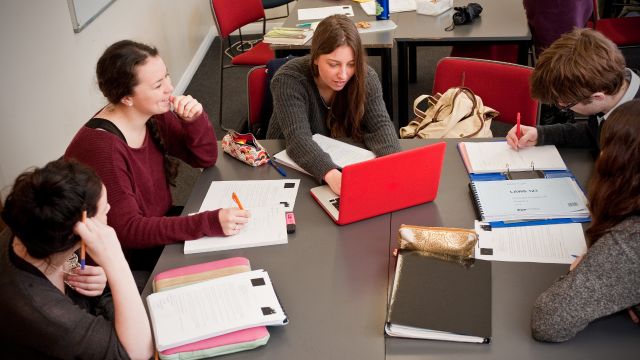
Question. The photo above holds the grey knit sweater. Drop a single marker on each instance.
(606, 281)
(298, 113)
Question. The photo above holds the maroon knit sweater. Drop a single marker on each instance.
(137, 188)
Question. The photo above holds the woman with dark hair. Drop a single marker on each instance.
(49, 307)
(128, 143)
(332, 92)
(607, 278)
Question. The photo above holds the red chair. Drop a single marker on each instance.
(624, 32)
(502, 86)
(256, 94)
(229, 16)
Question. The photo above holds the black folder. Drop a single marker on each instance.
(440, 299)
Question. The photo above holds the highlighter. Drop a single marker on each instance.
(291, 222)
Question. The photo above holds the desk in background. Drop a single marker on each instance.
(501, 22)
(333, 280)
(376, 44)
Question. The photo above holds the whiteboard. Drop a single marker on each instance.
(84, 12)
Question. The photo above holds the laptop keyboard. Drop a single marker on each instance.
(335, 202)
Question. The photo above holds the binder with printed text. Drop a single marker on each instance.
(495, 162)
(529, 201)
(440, 300)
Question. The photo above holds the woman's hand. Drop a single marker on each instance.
(529, 137)
(232, 220)
(186, 107)
(89, 282)
(101, 241)
(334, 179)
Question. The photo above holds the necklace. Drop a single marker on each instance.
(324, 103)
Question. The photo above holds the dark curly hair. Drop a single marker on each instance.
(46, 203)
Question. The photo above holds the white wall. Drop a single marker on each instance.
(47, 71)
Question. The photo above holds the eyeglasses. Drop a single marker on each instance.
(567, 108)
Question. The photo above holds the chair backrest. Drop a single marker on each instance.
(230, 15)
(502, 86)
(256, 94)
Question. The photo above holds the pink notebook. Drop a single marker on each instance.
(219, 345)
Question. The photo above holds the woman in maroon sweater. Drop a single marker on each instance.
(131, 156)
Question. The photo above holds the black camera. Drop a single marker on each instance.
(466, 14)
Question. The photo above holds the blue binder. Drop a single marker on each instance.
(502, 176)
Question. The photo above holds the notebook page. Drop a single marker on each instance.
(498, 156)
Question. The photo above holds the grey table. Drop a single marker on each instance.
(333, 280)
(376, 44)
(501, 22)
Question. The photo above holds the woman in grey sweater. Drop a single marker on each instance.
(607, 278)
(332, 92)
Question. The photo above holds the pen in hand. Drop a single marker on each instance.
(518, 131)
(83, 251)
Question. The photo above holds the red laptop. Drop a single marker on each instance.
(384, 184)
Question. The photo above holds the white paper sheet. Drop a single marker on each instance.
(267, 226)
(557, 243)
(498, 156)
(323, 12)
(190, 313)
(341, 153)
(252, 194)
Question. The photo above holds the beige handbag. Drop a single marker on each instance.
(458, 113)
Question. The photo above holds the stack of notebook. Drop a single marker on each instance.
(212, 309)
(288, 36)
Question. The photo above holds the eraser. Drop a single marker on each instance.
(291, 222)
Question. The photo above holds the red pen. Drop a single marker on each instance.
(518, 132)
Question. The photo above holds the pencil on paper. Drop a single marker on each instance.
(235, 198)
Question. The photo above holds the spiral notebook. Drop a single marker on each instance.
(529, 199)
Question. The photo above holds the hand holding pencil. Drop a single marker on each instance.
(232, 220)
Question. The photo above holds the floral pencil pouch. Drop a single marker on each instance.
(245, 148)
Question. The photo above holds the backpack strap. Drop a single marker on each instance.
(106, 125)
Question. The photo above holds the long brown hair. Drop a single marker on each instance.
(347, 108)
(614, 189)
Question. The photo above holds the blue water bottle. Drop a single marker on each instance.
(382, 9)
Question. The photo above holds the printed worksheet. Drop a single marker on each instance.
(556, 243)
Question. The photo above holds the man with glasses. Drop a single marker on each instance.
(584, 72)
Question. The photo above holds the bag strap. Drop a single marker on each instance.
(431, 99)
(106, 125)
